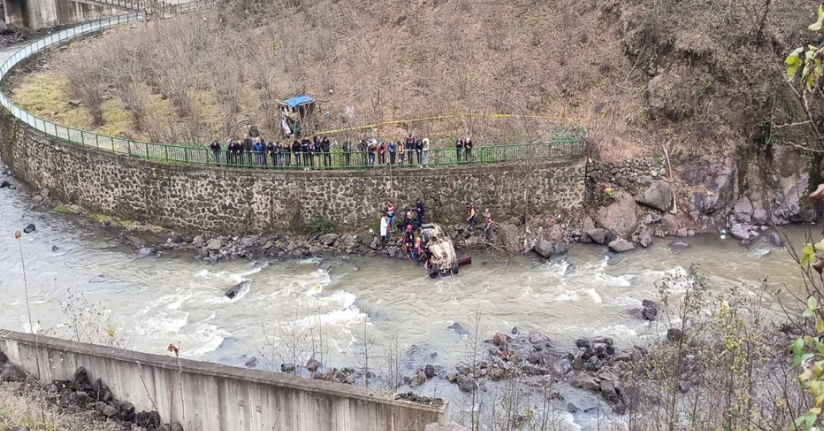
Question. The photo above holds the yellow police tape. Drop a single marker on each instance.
(441, 118)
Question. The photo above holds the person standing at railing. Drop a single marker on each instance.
(317, 150)
(362, 147)
(326, 147)
(468, 149)
(458, 149)
(247, 149)
(372, 149)
(410, 147)
(234, 151)
(272, 151)
(296, 148)
(391, 149)
(256, 151)
(347, 152)
(382, 154)
(425, 151)
(306, 146)
(284, 154)
(216, 151)
(419, 152)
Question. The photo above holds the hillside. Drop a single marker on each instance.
(704, 78)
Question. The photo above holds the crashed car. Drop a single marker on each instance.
(442, 259)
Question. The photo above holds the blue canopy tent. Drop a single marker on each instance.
(297, 115)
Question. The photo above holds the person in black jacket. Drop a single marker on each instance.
(297, 151)
(347, 152)
(459, 148)
(216, 151)
(247, 148)
(308, 149)
(410, 146)
(326, 146)
(271, 151)
(421, 212)
(419, 151)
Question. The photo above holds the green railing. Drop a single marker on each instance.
(203, 156)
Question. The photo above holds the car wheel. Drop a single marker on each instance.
(455, 268)
(434, 273)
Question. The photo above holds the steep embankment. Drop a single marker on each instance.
(702, 78)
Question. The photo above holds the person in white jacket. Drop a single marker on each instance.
(384, 226)
(426, 151)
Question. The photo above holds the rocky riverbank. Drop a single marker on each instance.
(78, 404)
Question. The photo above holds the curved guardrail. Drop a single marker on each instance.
(569, 146)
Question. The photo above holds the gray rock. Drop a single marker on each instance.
(350, 240)
(80, 398)
(759, 215)
(657, 196)
(544, 248)
(608, 392)
(365, 239)
(596, 235)
(743, 210)
(458, 329)
(109, 411)
(29, 228)
(619, 217)
(466, 383)
(509, 236)
(679, 244)
(537, 337)
(44, 193)
(4, 185)
(586, 382)
(328, 239)
(562, 366)
(571, 408)
(250, 241)
(776, 240)
(644, 238)
(146, 252)
(621, 246)
(650, 313)
(740, 232)
(668, 224)
(3, 358)
(561, 248)
(429, 371)
(588, 226)
(215, 244)
(11, 373)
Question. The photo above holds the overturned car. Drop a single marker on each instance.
(441, 256)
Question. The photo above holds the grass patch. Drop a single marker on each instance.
(62, 209)
(98, 218)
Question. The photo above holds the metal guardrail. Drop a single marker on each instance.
(204, 156)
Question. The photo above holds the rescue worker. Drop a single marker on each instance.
(421, 212)
(470, 216)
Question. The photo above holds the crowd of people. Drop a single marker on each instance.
(409, 238)
(317, 152)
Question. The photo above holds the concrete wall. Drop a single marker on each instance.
(37, 14)
(229, 200)
(217, 397)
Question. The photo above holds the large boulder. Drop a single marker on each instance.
(596, 235)
(621, 246)
(743, 210)
(544, 248)
(644, 238)
(508, 234)
(720, 183)
(619, 217)
(658, 196)
(328, 239)
(740, 232)
(11, 373)
(215, 244)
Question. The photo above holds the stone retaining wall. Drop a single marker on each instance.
(217, 397)
(196, 198)
(630, 174)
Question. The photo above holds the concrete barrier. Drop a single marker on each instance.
(216, 397)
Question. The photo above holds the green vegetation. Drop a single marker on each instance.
(321, 224)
